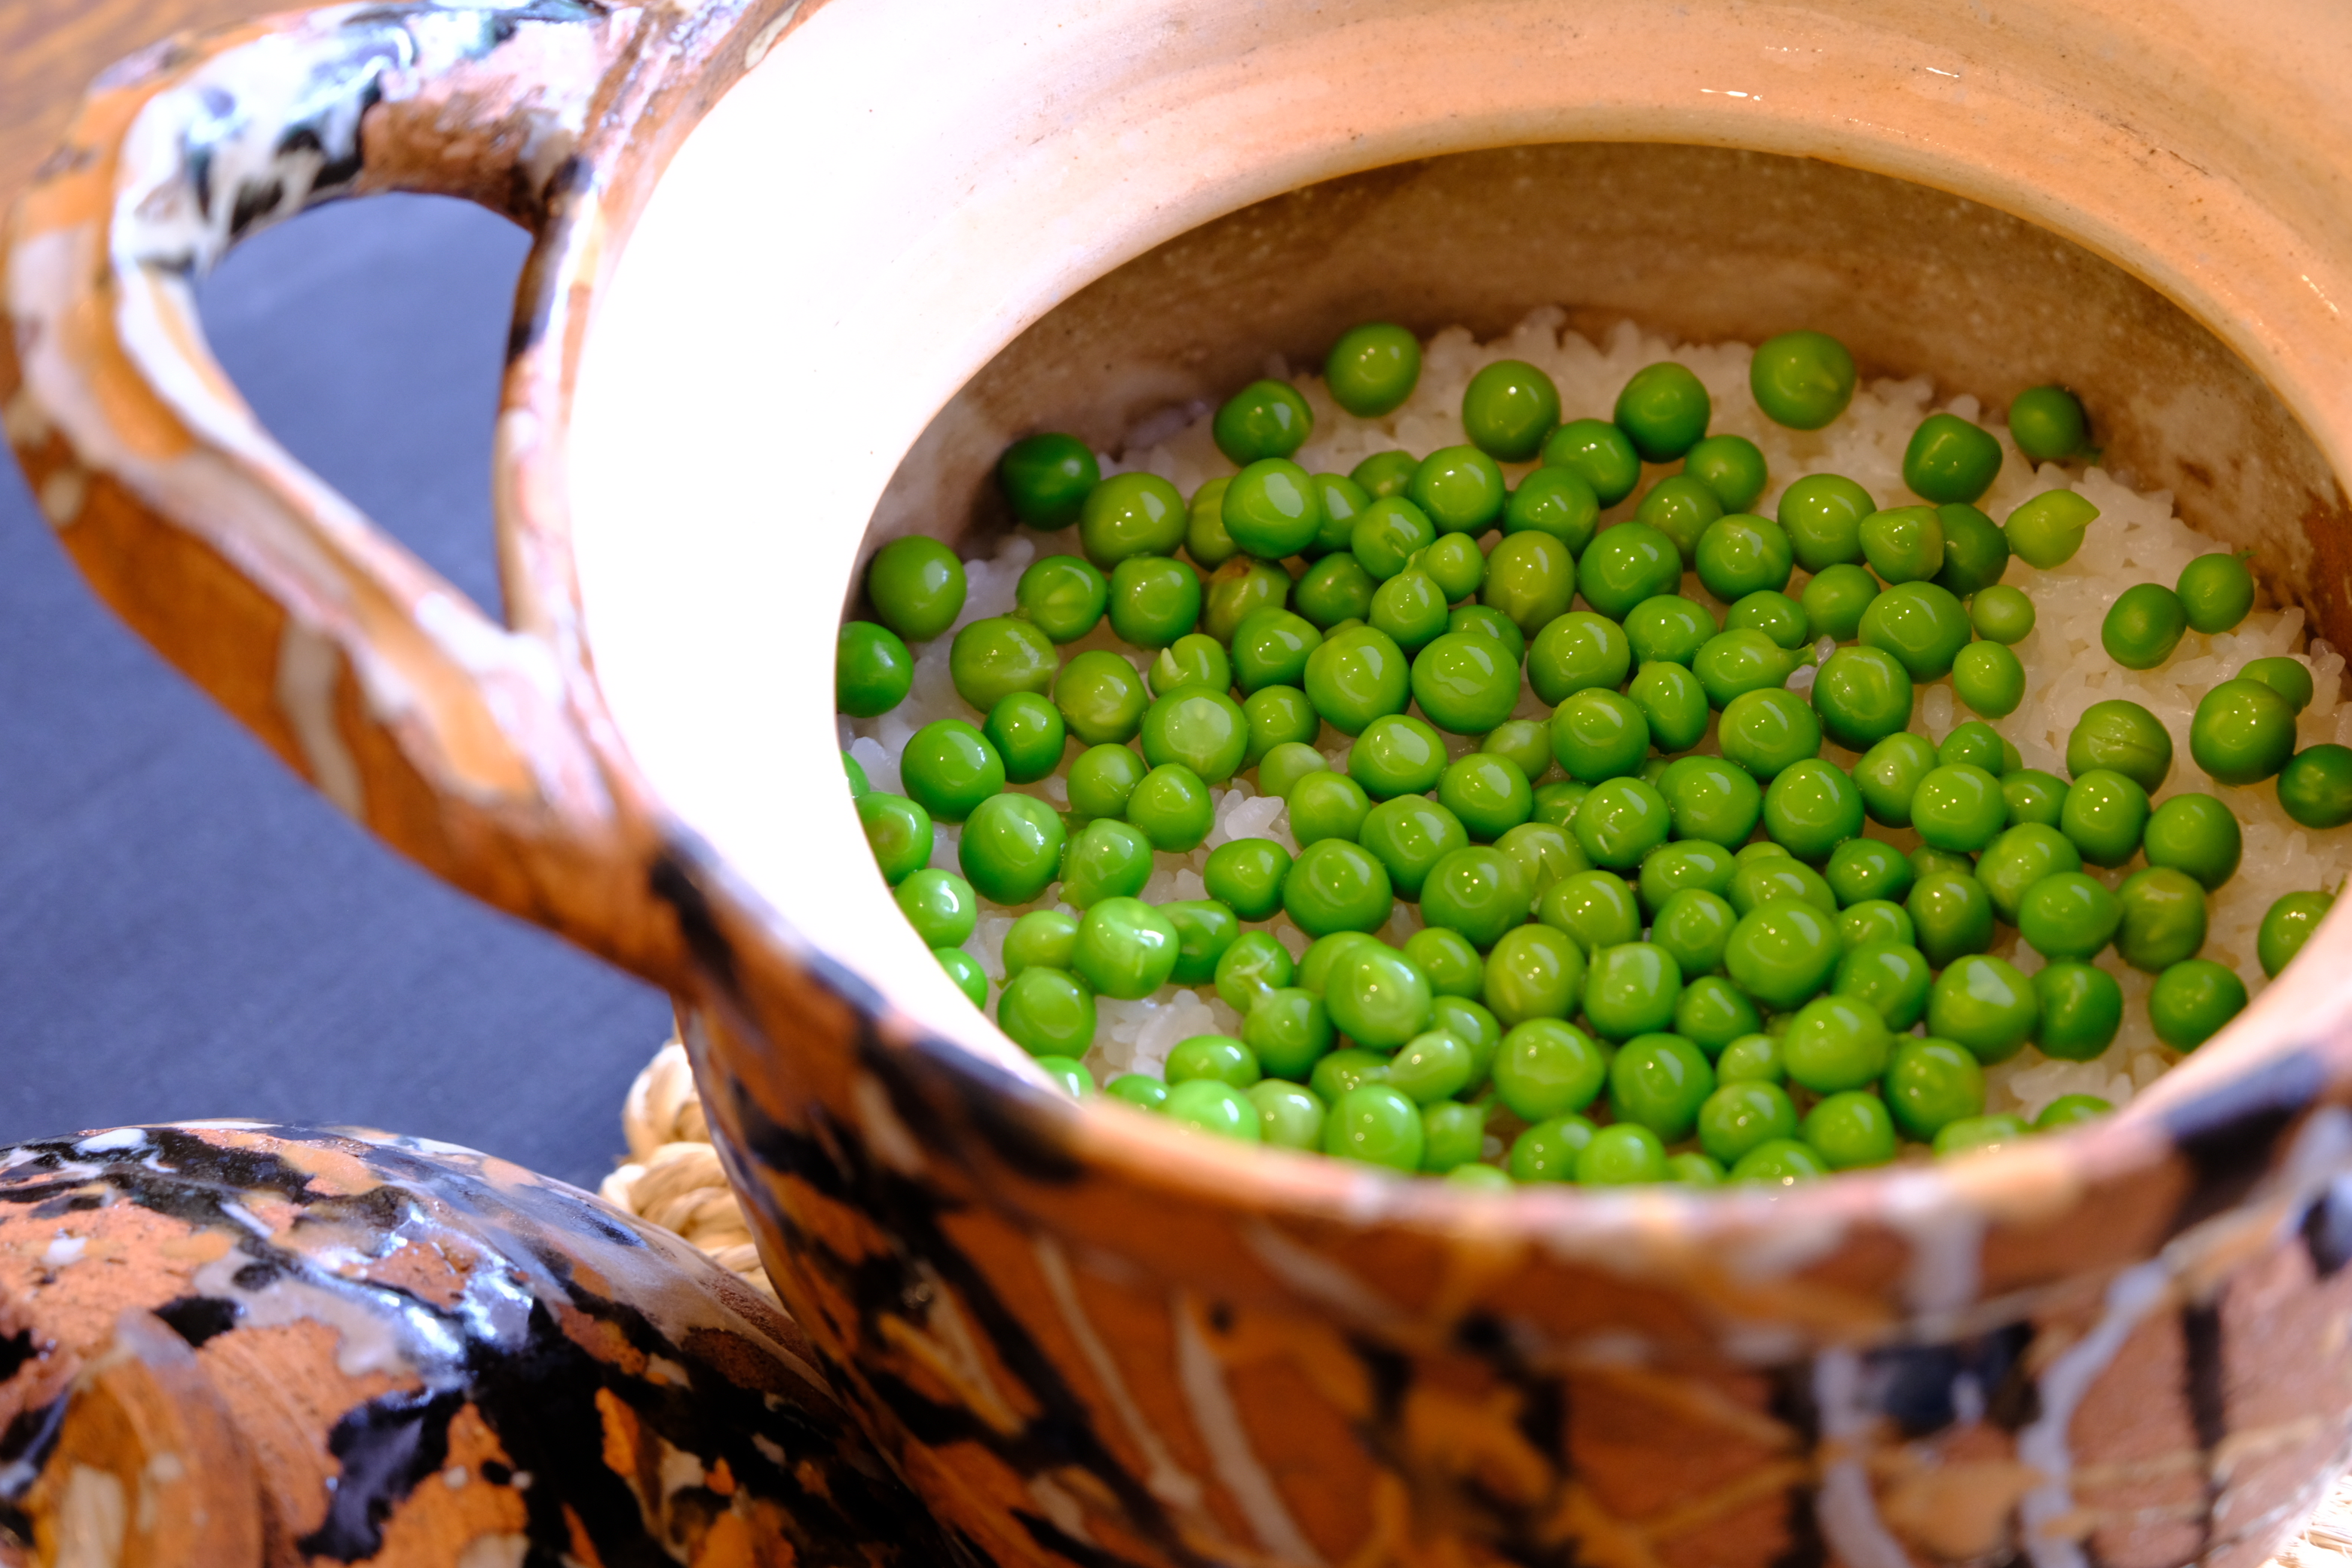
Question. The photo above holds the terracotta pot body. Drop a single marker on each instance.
(908, 235)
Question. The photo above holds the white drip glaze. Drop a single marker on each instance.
(1169, 1481)
(1846, 1506)
(1219, 1423)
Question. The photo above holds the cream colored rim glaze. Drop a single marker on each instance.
(900, 189)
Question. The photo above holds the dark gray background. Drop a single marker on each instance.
(186, 930)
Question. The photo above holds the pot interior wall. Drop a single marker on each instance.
(1700, 242)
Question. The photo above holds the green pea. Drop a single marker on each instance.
(1751, 1058)
(1782, 953)
(1761, 879)
(1278, 716)
(1243, 590)
(1397, 755)
(1534, 972)
(899, 832)
(1063, 596)
(1836, 600)
(1835, 1043)
(1526, 744)
(1465, 683)
(1712, 1011)
(1928, 862)
(2197, 834)
(1673, 705)
(2047, 424)
(1597, 734)
(1802, 380)
(917, 585)
(1659, 1081)
(854, 774)
(1287, 1030)
(2105, 815)
(992, 659)
(1334, 589)
(2287, 677)
(1172, 808)
(1620, 822)
(1012, 848)
(1253, 968)
(2143, 625)
(1622, 567)
(1988, 678)
(1103, 778)
(1984, 1003)
(1708, 798)
(1668, 629)
(1681, 508)
(1931, 1084)
(1106, 859)
(1863, 695)
(1409, 835)
(1453, 1137)
(1508, 408)
(1205, 1105)
(1823, 515)
(1732, 467)
(1446, 956)
(1335, 885)
(2032, 795)
(1739, 1117)
(1557, 806)
(2046, 531)
(1483, 620)
(2020, 859)
(1344, 1070)
(2001, 615)
(1373, 369)
(1624, 1154)
(1976, 552)
(1600, 454)
(2243, 732)
(1455, 565)
(1047, 1012)
(1154, 600)
(2215, 592)
(1374, 1125)
(1205, 538)
(1137, 1090)
(1218, 1058)
(1379, 998)
(2164, 918)
(1047, 937)
(1905, 543)
(1950, 460)
(1100, 698)
(1779, 617)
(1810, 808)
(1194, 659)
(1958, 808)
(2192, 1000)
(1126, 948)
(1976, 743)
(873, 671)
(1549, 1151)
(1688, 863)
(1461, 489)
(1246, 876)
(1769, 731)
(1875, 919)
(1344, 502)
(2286, 925)
(965, 971)
(1782, 1163)
(1357, 676)
(1741, 554)
(1975, 1134)
(1263, 419)
(1045, 478)
(948, 768)
(1890, 977)
(1576, 652)
(1530, 579)
(1461, 1015)
(1664, 411)
(1325, 805)
(1861, 870)
(1558, 501)
(1488, 794)
(1951, 915)
(1200, 729)
(1290, 1117)
(1272, 509)
(1433, 1066)
(1385, 473)
(1596, 908)
(1028, 734)
(1693, 927)
(2081, 1011)
(1547, 1068)
(2315, 786)
(1731, 664)
(1128, 515)
(2072, 1110)
(1389, 532)
(1315, 966)
(1920, 624)
(1851, 1131)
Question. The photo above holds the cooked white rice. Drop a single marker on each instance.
(2135, 539)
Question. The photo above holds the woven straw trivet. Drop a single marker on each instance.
(673, 1179)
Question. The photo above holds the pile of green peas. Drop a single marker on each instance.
(1636, 962)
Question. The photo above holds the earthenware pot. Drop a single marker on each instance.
(761, 333)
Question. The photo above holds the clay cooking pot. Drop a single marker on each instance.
(803, 266)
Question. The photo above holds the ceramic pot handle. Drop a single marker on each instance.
(478, 749)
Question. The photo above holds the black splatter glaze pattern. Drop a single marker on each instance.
(498, 1349)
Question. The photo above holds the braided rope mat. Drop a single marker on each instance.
(672, 1178)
